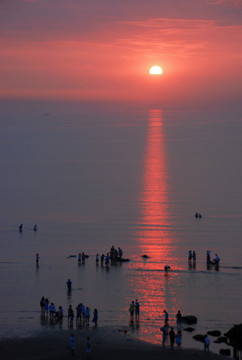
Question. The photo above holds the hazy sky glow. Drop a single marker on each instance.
(102, 50)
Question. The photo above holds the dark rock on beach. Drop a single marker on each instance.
(189, 329)
(221, 339)
(224, 352)
(215, 333)
(235, 336)
(189, 319)
(199, 337)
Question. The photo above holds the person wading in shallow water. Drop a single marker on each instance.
(166, 316)
(95, 317)
(69, 284)
(42, 306)
(172, 337)
(70, 316)
(179, 320)
(131, 311)
(137, 307)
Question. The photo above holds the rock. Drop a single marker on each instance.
(224, 352)
(123, 260)
(221, 339)
(235, 336)
(199, 338)
(189, 319)
(214, 333)
(189, 329)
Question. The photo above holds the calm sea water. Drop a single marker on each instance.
(134, 179)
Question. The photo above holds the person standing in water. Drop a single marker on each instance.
(69, 284)
(131, 311)
(166, 316)
(208, 256)
(217, 259)
(172, 336)
(95, 317)
(79, 258)
(70, 316)
(42, 306)
(194, 256)
(179, 320)
(190, 255)
(102, 259)
(136, 307)
(46, 307)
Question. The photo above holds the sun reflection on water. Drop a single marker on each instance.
(153, 237)
(152, 284)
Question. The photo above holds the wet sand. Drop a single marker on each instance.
(106, 344)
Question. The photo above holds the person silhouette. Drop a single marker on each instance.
(69, 283)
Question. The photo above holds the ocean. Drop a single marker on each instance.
(131, 178)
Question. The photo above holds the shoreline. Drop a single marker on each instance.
(106, 343)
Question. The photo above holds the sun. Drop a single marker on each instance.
(155, 70)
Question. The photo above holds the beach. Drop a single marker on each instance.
(106, 343)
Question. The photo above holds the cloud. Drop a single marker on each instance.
(237, 4)
(182, 37)
(56, 51)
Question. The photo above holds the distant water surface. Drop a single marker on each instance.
(131, 179)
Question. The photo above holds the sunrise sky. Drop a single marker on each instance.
(103, 50)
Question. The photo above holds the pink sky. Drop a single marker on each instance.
(102, 50)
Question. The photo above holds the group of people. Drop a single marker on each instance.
(216, 260)
(192, 256)
(82, 315)
(103, 259)
(197, 215)
(134, 310)
(116, 254)
(113, 255)
(48, 309)
(20, 228)
(81, 258)
(168, 331)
